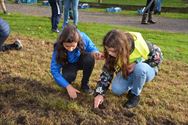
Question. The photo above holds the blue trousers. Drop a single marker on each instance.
(142, 73)
(67, 4)
(158, 5)
(56, 8)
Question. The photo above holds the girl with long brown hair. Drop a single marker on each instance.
(124, 53)
(73, 51)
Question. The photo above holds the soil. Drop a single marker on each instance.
(164, 24)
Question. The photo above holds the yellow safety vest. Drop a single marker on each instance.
(140, 51)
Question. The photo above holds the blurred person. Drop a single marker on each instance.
(158, 7)
(74, 7)
(56, 9)
(148, 12)
(3, 6)
(4, 33)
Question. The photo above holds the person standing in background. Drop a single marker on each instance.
(148, 12)
(3, 6)
(67, 6)
(56, 7)
(158, 7)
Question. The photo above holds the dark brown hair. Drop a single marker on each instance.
(68, 35)
(121, 42)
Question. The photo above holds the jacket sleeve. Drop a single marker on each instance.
(55, 71)
(104, 82)
(89, 45)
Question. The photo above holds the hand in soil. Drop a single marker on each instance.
(98, 100)
(72, 91)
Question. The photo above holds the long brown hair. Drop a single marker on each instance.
(121, 42)
(69, 34)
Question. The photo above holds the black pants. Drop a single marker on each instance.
(151, 8)
(56, 8)
(85, 63)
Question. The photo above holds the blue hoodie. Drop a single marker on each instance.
(73, 57)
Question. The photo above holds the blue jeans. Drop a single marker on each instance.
(142, 73)
(67, 4)
(4, 32)
(158, 5)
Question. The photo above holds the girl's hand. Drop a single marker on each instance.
(157, 56)
(98, 100)
(98, 55)
(72, 91)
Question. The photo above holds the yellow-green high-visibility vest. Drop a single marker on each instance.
(141, 49)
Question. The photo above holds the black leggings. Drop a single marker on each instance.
(85, 63)
(151, 8)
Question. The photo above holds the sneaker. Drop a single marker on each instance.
(18, 44)
(133, 101)
(55, 30)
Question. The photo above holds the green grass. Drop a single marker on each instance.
(134, 13)
(166, 3)
(174, 45)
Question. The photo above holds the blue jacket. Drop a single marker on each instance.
(73, 57)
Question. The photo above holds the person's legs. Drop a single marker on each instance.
(66, 12)
(69, 72)
(150, 19)
(2, 2)
(120, 85)
(145, 14)
(59, 12)
(4, 32)
(86, 63)
(158, 5)
(56, 14)
(75, 11)
(70, 12)
(142, 73)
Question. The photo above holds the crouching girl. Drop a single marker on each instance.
(73, 51)
(124, 54)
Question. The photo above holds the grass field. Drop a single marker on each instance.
(166, 3)
(28, 94)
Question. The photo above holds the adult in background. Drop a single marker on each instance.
(4, 33)
(3, 6)
(158, 7)
(67, 6)
(148, 12)
(56, 7)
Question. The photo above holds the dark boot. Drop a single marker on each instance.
(150, 18)
(133, 101)
(144, 18)
(86, 89)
